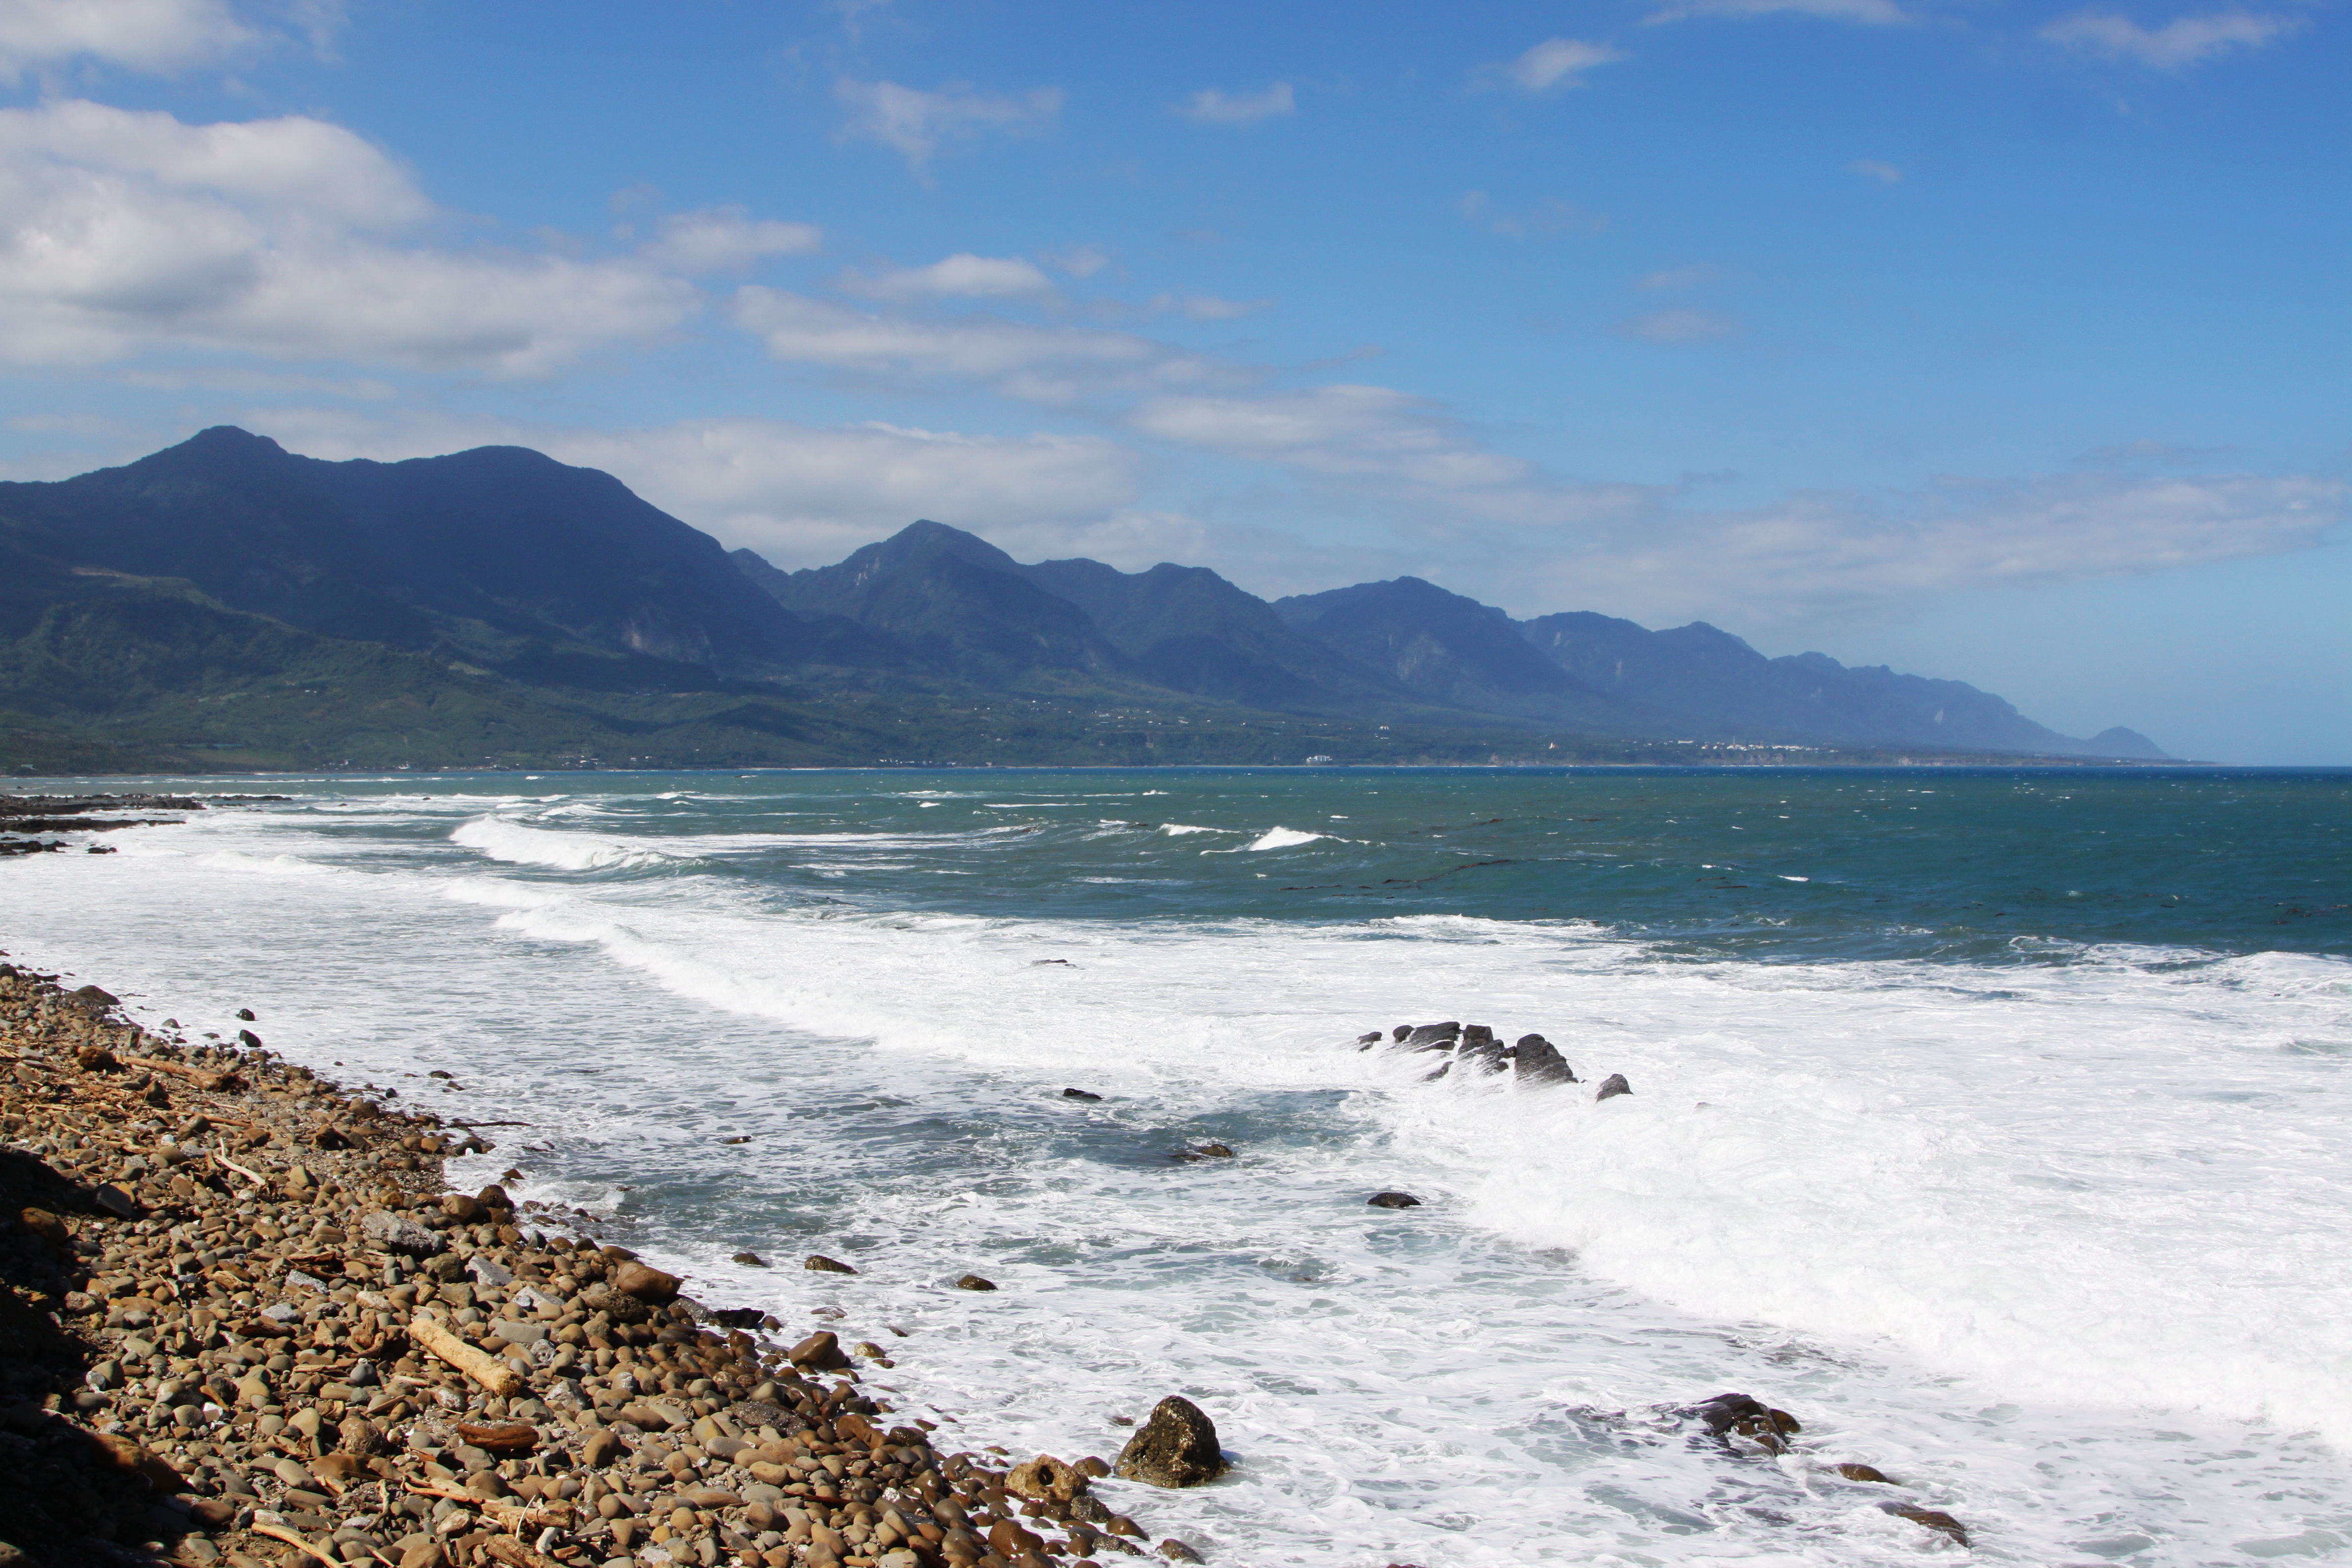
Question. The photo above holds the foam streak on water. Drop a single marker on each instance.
(2050, 1226)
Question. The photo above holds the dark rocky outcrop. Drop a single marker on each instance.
(1537, 1061)
(1176, 1447)
(1394, 1201)
(1430, 1037)
(1613, 1086)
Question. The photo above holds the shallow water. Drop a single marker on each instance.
(1990, 1122)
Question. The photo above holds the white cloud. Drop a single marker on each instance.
(724, 240)
(1681, 326)
(1818, 552)
(1080, 261)
(1333, 430)
(1210, 105)
(963, 276)
(801, 495)
(1872, 168)
(2183, 42)
(1555, 63)
(1205, 307)
(1048, 364)
(1865, 13)
(161, 36)
(918, 123)
(123, 232)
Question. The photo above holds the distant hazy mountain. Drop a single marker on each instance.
(228, 595)
(1712, 680)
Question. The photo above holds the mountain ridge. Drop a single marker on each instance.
(514, 596)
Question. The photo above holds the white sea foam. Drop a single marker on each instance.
(2060, 1245)
(560, 850)
(1284, 838)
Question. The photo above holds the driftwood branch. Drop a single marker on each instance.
(483, 1368)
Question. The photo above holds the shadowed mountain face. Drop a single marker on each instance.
(507, 554)
(227, 570)
(1190, 630)
(1454, 651)
(956, 604)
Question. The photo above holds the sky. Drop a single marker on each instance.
(2005, 342)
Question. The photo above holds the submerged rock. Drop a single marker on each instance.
(1392, 1201)
(974, 1282)
(818, 1263)
(1176, 1447)
(1079, 1094)
(1929, 1519)
(1727, 1414)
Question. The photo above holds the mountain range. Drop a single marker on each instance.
(225, 603)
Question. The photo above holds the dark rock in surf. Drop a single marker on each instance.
(1481, 1050)
(1537, 1061)
(1368, 1041)
(1942, 1523)
(244, 1015)
(1176, 1447)
(1392, 1201)
(1444, 1067)
(820, 1351)
(751, 1261)
(1078, 1094)
(1729, 1413)
(1432, 1038)
(1401, 1033)
(818, 1263)
(1862, 1473)
(974, 1282)
(1613, 1086)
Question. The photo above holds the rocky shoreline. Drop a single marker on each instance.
(244, 1322)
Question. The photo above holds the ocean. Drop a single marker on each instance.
(1992, 1122)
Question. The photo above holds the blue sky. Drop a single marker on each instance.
(2004, 343)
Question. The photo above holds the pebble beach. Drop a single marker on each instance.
(246, 1323)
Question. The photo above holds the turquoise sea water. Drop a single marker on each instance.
(1992, 1121)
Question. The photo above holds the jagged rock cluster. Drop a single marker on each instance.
(242, 1322)
(1531, 1059)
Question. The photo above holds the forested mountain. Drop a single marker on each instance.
(226, 600)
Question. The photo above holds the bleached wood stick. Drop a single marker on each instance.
(483, 1368)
